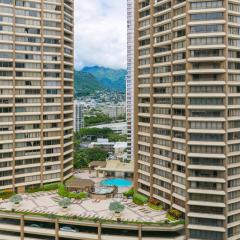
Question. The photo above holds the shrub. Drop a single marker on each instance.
(129, 193)
(46, 187)
(155, 207)
(64, 203)
(51, 186)
(139, 199)
(6, 195)
(174, 213)
(154, 201)
(33, 190)
(116, 207)
(80, 195)
(16, 199)
(83, 195)
(62, 190)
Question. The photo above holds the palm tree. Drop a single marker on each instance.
(65, 202)
(16, 199)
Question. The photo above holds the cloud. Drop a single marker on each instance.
(100, 33)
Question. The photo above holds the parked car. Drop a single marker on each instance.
(68, 229)
(34, 225)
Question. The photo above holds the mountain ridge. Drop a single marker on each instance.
(111, 79)
(91, 79)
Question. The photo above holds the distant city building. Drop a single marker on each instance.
(115, 110)
(78, 118)
(104, 144)
(119, 127)
(36, 91)
(130, 77)
(116, 149)
(120, 151)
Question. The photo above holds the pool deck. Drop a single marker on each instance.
(86, 175)
(47, 203)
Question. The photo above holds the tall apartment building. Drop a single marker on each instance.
(78, 116)
(187, 111)
(130, 77)
(36, 91)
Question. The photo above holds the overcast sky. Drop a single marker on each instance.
(101, 33)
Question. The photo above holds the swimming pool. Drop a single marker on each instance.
(119, 182)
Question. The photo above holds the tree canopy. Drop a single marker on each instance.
(16, 199)
(84, 156)
(99, 118)
(116, 207)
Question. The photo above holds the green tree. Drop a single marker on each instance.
(114, 137)
(116, 207)
(99, 118)
(65, 202)
(16, 199)
(84, 156)
(94, 132)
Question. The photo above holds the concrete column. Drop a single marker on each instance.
(56, 229)
(99, 231)
(22, 227)
(140, 232)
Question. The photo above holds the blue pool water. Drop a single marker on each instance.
(119, 182)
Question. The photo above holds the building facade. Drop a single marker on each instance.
(114, 110)
(78, 116)
(130, 77)
(118, 127)
(28, 227)
(36, 91)
(187, 111)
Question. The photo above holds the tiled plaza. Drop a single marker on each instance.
(47, 203)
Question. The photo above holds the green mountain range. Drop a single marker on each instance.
(85, 84)
(91, 79)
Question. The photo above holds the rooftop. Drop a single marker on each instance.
(116, 165)
(78, 183)
(47, 203)
(111, 125)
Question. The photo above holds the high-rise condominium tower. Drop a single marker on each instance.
(78, 116)
(187, 111)
(130, 77)
(36, 90)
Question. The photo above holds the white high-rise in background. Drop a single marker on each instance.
(130, 75)
(78, 115)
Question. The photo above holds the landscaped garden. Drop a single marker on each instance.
(55, 201)
(172, 215)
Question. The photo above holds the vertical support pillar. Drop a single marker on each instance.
(56, 230)
(99, 231)
(140, 231)
(22, 227)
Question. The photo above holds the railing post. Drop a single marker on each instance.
(56, 229)
(22, 227)
(140, 232)
(99, 231)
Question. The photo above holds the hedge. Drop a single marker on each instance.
(46, 187)
(129, 193)
(139, 199)
(175, 213)
(62, 191)
(51, 186)
(6, 195)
